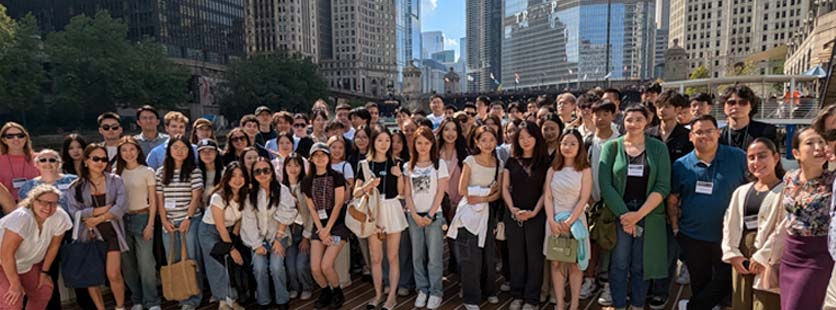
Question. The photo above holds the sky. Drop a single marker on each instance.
(447, 16)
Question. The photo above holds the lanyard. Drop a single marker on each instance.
(745, 137)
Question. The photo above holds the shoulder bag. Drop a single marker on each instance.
(362, 211)
(179, 279)
(83, 262)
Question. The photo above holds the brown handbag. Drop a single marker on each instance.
(179, 279)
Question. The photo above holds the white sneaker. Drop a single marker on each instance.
(155, 308)
(683, 278)
(505, 287)
(293, 294)
(588, 288)
(605, 299)
(305, 295)
(471, 307)
(530, 307)
(516, 304)
(683, 304)
(434, 302)
(136, 307)
(421, 300)
(493, 300)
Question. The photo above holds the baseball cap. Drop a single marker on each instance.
(320, 147)
(207, 143)
(262, 109)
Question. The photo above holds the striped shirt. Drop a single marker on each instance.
(177, 195)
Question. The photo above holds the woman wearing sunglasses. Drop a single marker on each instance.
(236, 142)
(100, 199)
(301, 141)
(268, 213)
(16, 165)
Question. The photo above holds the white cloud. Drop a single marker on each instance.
(450, 43)
(429, 4)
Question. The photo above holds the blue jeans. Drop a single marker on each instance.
(298, 263)
(192, 250)
(427, 255)
(216, 272)
(262, 276)
(627, 257)
(138, 264)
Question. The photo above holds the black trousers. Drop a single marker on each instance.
(711, 278)
(526, 264)
(477, 265)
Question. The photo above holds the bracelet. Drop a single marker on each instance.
(46, 272)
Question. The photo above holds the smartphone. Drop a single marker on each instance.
(639, 231)
(746, 264)
(335, 240)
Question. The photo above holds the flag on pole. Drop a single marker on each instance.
(499, 88)
(609, 74)
(516, 78)
(585, 76)
(492, 77)
(470, 78)
(571, 72)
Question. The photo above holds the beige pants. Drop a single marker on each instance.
(830, 298)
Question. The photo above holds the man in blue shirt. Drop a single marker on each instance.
(175, 124)
(702, 183)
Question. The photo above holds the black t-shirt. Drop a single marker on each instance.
(388, 183)
(678, 143)
(754, 199)
(526, 186)
(262, 137)
(635, 192)
(744, 136)
(321, 189)
(304, 146)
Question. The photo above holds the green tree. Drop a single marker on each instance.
(22, 76)
(96, 68)
(279, 81)
(7, 28)
(700, 72)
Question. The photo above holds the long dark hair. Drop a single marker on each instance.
(279, 136)
(299, 161)
(188, 164)
(779, 168)
(225, 190)
(275, 187)
(68, 164)
(541, 153)
(404, 154)
(219, 165)
(434, 154)
(380, 130)
(308, 180)
(230, 148)
(121, 164)
(368, 131)
(581, 162)
(461, 141)
(483, 129)
(84, 174)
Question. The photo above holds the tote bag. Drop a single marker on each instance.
(83, 262)
(179, 279)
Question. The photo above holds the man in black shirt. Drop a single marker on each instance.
(739, 104)
(668, 106)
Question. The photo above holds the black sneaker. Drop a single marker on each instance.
(657, 302)
(337, 299)
(324, 299)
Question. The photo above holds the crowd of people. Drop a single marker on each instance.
(570, 199)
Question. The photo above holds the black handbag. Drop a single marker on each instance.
(83, 262)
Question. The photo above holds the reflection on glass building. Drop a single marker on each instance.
(407, 33)
(209, 31)
(558, 43)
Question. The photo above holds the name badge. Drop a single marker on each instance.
(322, 214)
(751, 222)
(704, 187)
(170, 204)
(64, 187)
(635, 170)
(17, 183)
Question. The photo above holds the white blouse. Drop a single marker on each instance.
(35, 241)
(259, 224)
(231, 212)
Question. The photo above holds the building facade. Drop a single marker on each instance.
(446, 56)
(431, 42)
(560, 43)
(813, 45)
(721, 34)
(282, 26)
(484, 40)
(408, 35)
(363, 46)
(204, 31)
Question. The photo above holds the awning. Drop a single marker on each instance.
(816, 71)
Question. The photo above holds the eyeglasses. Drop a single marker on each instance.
(737, 102)
(300, 125)
(51, 204)
(109, 127)
(261, 171)
(98, 159)
(49, 160)
(238, 138)
(10, 136)
(471, 114)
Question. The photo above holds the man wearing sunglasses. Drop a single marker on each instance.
(111, 130)
(739, 104)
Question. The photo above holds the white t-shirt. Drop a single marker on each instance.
(435, 119)
(424, 184)
(137, 181)
(343, 168)
(111, 152)
(35, 242)
(349, 135)
(231, 212)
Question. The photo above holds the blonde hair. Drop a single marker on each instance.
(36, 193)
(45, 152)
(27, 148)
(175, 116)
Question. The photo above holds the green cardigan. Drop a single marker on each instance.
(612, 178)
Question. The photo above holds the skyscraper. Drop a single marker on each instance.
(408, 34)
(364, 55)
(210, 31)
(288, 26)
(432, 42)
(721, 34)
(484, 37)
(563, 42)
